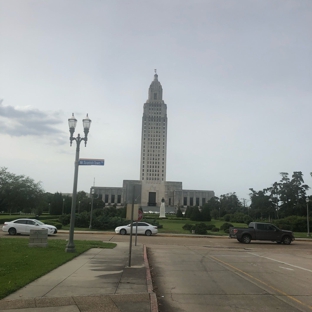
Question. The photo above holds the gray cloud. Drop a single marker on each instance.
(28, 121)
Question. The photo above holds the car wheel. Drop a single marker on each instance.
(148, 233)
(246, 239)
(286, 240)
(123, 232)
(239, 240)
(55, 231)
(12, 231)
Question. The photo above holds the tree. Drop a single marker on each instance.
(229, 204)
(196, 214)
(214, 207)
(261, 204)
(19, 193)
(284, 198)
(206, 213)
(179, 213)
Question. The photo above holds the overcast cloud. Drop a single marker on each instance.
(24, 121)
(236, 77)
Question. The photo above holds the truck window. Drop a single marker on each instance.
(261, 227)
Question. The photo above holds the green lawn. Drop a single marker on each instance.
(20, 264)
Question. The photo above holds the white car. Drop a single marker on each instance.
(143, 228)
(23, 226)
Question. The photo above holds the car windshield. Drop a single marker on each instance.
(39, 222)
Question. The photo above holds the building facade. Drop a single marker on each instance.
(152, 186)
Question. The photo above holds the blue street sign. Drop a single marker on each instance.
(91, 162)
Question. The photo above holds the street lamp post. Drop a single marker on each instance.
(308, 221)
(92, 193)
(70, 247)
(63, 206)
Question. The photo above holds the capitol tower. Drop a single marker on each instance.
(154, 145)
(152, 188)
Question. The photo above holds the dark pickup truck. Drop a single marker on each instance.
(261, 231)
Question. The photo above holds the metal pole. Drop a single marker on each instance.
(90, 226)
(308, 221)
(63, 206)
(136, 233)
(70, 247)
(131, 227)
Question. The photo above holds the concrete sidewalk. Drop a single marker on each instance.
(98, 280)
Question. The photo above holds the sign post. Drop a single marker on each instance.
(140, 217)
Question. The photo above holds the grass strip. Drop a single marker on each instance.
(20, 264)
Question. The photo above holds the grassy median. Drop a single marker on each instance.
(20, 264)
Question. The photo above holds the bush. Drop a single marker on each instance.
(215, 229)
(227, 217)
(196, 215)
(225, 226)
(108, 223)
(179, 213)
(64, 219)
(187, 227)
(210, 227)
(200, 228)
(82, 219)
(292, 223)
(58, 225)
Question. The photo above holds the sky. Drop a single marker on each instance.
(236, 78)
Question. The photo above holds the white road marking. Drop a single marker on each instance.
(286, 268)
(282, 262)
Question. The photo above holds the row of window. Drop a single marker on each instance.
(153, 179)
(112, 199)
(191, 203)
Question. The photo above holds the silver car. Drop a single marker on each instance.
(23, 226)
(143, 228)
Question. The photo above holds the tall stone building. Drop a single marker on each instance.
(153, 145)
(152, 186)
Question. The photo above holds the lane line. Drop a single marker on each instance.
(286, 268)
(261, 282)
(282, 262)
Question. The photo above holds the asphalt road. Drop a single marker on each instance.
(220, 274)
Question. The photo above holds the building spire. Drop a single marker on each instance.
(155, 76)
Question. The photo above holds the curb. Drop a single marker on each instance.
(153, 298)
(172, 235)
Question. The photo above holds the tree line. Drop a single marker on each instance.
(282, 199)
(21, 194)
(287, 197)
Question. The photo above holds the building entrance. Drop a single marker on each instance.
(151, 199)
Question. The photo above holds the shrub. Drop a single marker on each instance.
(225, 226)
(58, 225)
(179, 213)
(196, 215)
(206, 213)
(227, 217)
(247, 219)
(210, 227)
(200, 228)
(188, 212)
(82, 219)
(215, 229)
(187, 227)
(292, 223)
(64, 219)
